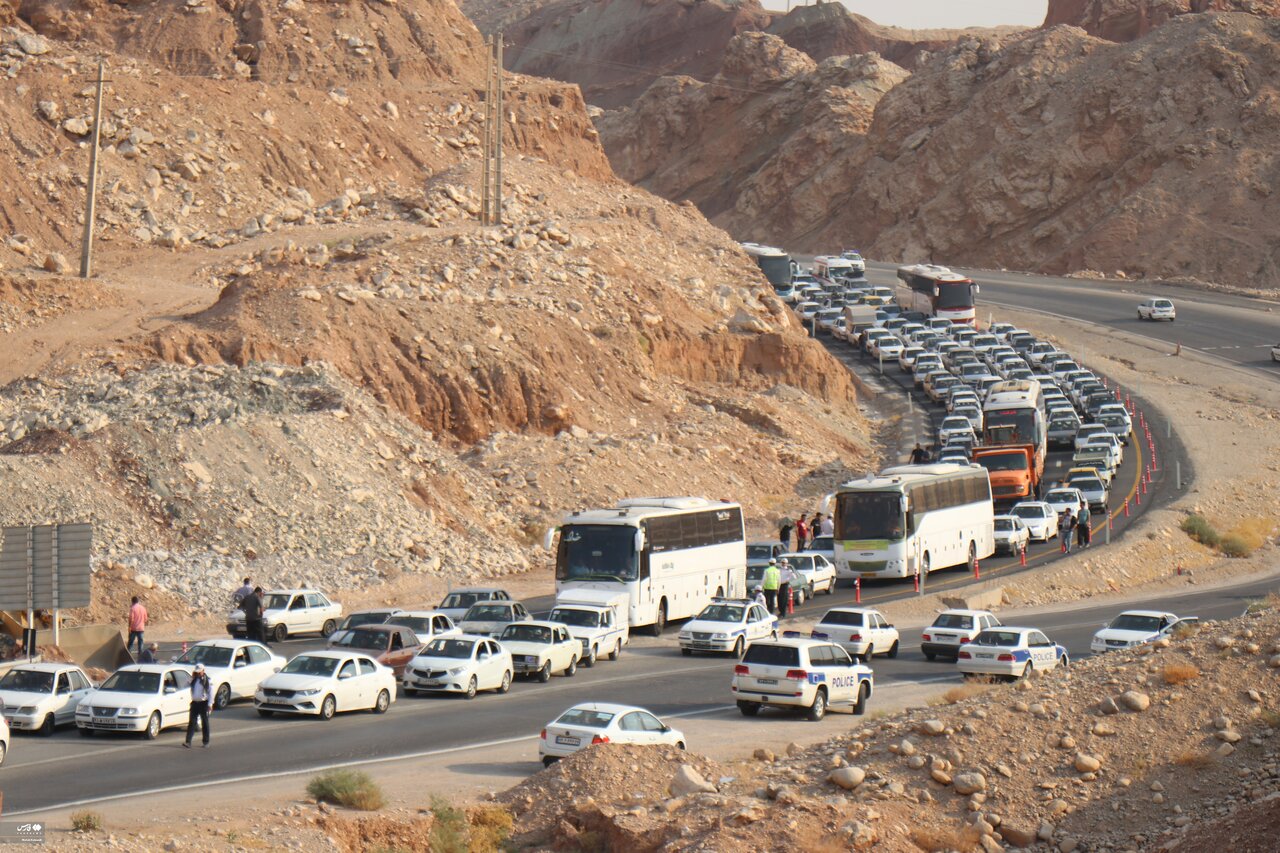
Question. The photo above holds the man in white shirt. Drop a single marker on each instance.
(201, 700)
(828, 527)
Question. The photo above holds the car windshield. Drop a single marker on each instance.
(460, 649)
(1123, 622)
(462, 600)
(1006, 524)
(361, 640)
(311, 665)
(1111, 420)
(820, 543)
(1058, 496)
(1029, 511)
(28, 681)
(586, 718)
(1062, 426)
(575, 617)
(759, 552)
(371, 617)
(488, 613)
(722, 613)
(133, 681)
(420, 625)
(276, 601)
(768, 655)
(953, 620)
(869, 515)
(526, 634)
(997, 638)
(207, 655)
(1087, 484)
(841, 617)
(597, 552)
(1004, 462)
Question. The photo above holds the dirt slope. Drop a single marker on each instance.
(1126, 20)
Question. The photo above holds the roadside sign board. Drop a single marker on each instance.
(45, 567)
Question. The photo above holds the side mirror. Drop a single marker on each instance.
(548, 538)
(169, 688)
(343, 676)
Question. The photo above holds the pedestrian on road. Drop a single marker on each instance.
(149, 654)
(1083, 533)
(771, 581)
(254, 628)
(759, 596)
(201, 701)
(802, 532)
(919, 456)
(137, 624)
(828, 526)
(787, 579)
(1064, 530)
(239, 595)
(784, 533)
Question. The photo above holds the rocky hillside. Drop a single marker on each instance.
(758, 145)
(1126, 20)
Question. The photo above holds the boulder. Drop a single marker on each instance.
(1132, 700)
(847, 777)
(969, 783)
(689, 781)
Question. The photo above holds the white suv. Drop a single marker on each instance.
(287, 612)
(952, 629)
(1157, 309)
(800, 673)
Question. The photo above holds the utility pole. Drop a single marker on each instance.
(491, 144)
(86, 245)
(485, 133)
(497, 134)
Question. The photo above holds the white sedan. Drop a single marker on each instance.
(1010, 652)
(1039, 518)
(140, 697)
(955, 427)
(816, 566)
(322, 683)
(592, 722)
(463, 664)
(541, 649)
(1136, 628)
(727, 625)
(1011, 534)
(860, 631)
(235, 667)
(42, 696)
(1065, 498)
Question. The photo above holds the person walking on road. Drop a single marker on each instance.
(919, 456)
(784, 533)
(1083, 533)
(137, 624)
(254, 628)
(201, 701)
(239, 595)
(828, 526)
(1064, 530)
(771, 581)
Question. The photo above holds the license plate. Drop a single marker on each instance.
(984, 657)
(868, 574)
(766, 681)
(429, 683)
(568, 741)
(102, 720)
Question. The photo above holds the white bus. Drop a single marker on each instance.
(910, 517)
(671, 556)
(937, 292)
(776, 264)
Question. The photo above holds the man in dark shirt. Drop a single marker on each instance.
(251, 604)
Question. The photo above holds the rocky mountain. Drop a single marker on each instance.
(1126, 20)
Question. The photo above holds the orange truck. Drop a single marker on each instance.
(1015, 471)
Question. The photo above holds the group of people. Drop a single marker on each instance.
(805, 529)
(249, 599)
(1074, 527)
(774, 590)
(201, 688)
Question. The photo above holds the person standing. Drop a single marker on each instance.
(137, 624)
(784, 533)
(919, 455)
(201, 699)
(770, 582)
(251, 604)
(239, 595)
(802, 532)
(1083, 533)
(786, 586)
(828, 526)
(1064, 530)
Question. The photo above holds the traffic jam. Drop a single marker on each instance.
(1008, 409)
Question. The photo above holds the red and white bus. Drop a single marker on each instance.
(937, 292)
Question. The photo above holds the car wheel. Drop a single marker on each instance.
(749, 709)
(472, 685)
(617, 651)
(680, 745)
(222, 697)
(893, 650)
(930, 655)
(544, 674)
(409, 691)
(280, 633)
(590, 659)
(4, 750)
(506, 682)
(972, 559)
(687, 652)
(49, 724)
(572, 669)
(818, 709)
(153, 726)
(383, 703)
(738, 648)
(1065, 663)
(328, 707)
(86, 732)
(831, 587)
(328, 627)
(860, 707)
(1026, 670)
(548, 760)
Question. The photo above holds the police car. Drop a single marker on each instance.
(952, 629)
(800, 673)
(860, 631)
(1136, 628)
(727, 625)
(1010, 652)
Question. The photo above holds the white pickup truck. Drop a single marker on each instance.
(597, 619)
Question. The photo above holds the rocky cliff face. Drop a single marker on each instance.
(1126, 20)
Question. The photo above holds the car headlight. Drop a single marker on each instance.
(82, 712)
(719, 636)
(130, 712)
(312, 692)
(27, 709)
(458, 670)
(685, 635)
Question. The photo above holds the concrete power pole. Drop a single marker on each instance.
(497, 134)
(491, 143)
(86, 245)
(485, 159)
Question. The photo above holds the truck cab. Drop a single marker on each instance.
(597, 619)
(1012, 470)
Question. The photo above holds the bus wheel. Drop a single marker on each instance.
(973, 555)
(660, 622)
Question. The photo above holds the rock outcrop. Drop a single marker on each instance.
(1126, 20)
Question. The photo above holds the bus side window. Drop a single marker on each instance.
(644, 564)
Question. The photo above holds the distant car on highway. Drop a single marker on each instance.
(1157, 309)
(803, 674)
(235, 667)
(288, 612)
(489, 618)
(425, 624)
(1041, 520)
(595, 722)
(1010, 652)
(1064, 497)
(458, 601)
(860, 631)
(1011, 534)
(952, 629)
(816, 567)
(760, 553)
(138, 698)
(392, 646)
(541, 649)
(42, 696)
(1275, 353)
(1137, 628)
(321, 684)
(463, 665)
(727, 625)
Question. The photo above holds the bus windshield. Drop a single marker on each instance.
(955, 295)
(869, 515)
(1011, 426)
(776, 268)
(597, 552)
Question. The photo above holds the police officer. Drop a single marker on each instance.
(786, 581)
(771, 581)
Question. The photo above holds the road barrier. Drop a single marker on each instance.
(857, 590)
(977, 570)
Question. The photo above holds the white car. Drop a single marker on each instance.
(1066, 498)
(1157, 309)
(1109, 441)
(1275, 353)
(816, 567)
(425, 624)
(1086, 432)
(823, 545)
(541, 649)
(1136, 628)
(595, 618)
(287, 612)
(459, 601)
(464, 665)
(955, 427)
(323, 683)
(952, 629)
(1011, 534)
(4, 739)
(1010, 652)
(594, 722)
(799, 673)
(727, 625)
(971, 413)
(860, 631)
(42, 696)
(1039, 517)
(235, 667)
(140, 697)
(490, 618)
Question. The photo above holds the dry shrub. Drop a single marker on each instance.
(1195, 758)
(490, 829)
(1180, 673)
(1234, 546)
(351, 789)
(939, 840)
(1198, 528)
(968, 690)
(86, 821)
(1253, 532)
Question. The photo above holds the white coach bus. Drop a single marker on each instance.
(671, 556)
(926, 516)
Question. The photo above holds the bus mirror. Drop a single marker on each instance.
(826, 504)
(548, 538)
(906, 505)
(639, 540)
(976, 289)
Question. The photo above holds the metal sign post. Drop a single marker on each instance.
(45, 567)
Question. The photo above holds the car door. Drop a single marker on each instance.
(1043, 654)
(346, 690)
(61, 695)
(295, 618)
(441, 625)
(79, 687)
(842, 678)
(569, 648)
(317, 611)
(488, 665)
(369, 682)
(633, 729)
(653, 727)
(240, 673)
(257, 671)
(175, 704)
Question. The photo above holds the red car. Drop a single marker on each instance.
(390, 645)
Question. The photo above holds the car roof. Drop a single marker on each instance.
(469, 637)
(44, 667)
(149, 667)
(474, 589)
(541, 624)
(1040, 504)
(1018, 628)
(954, 611)
(852, 610)
(378, 628)
(227, 643)
(393, 610)
(1146, 613)
(498, 602)
(292, 591)
(421, 614)
(604, 707)
(333, 653)
(793, 642)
